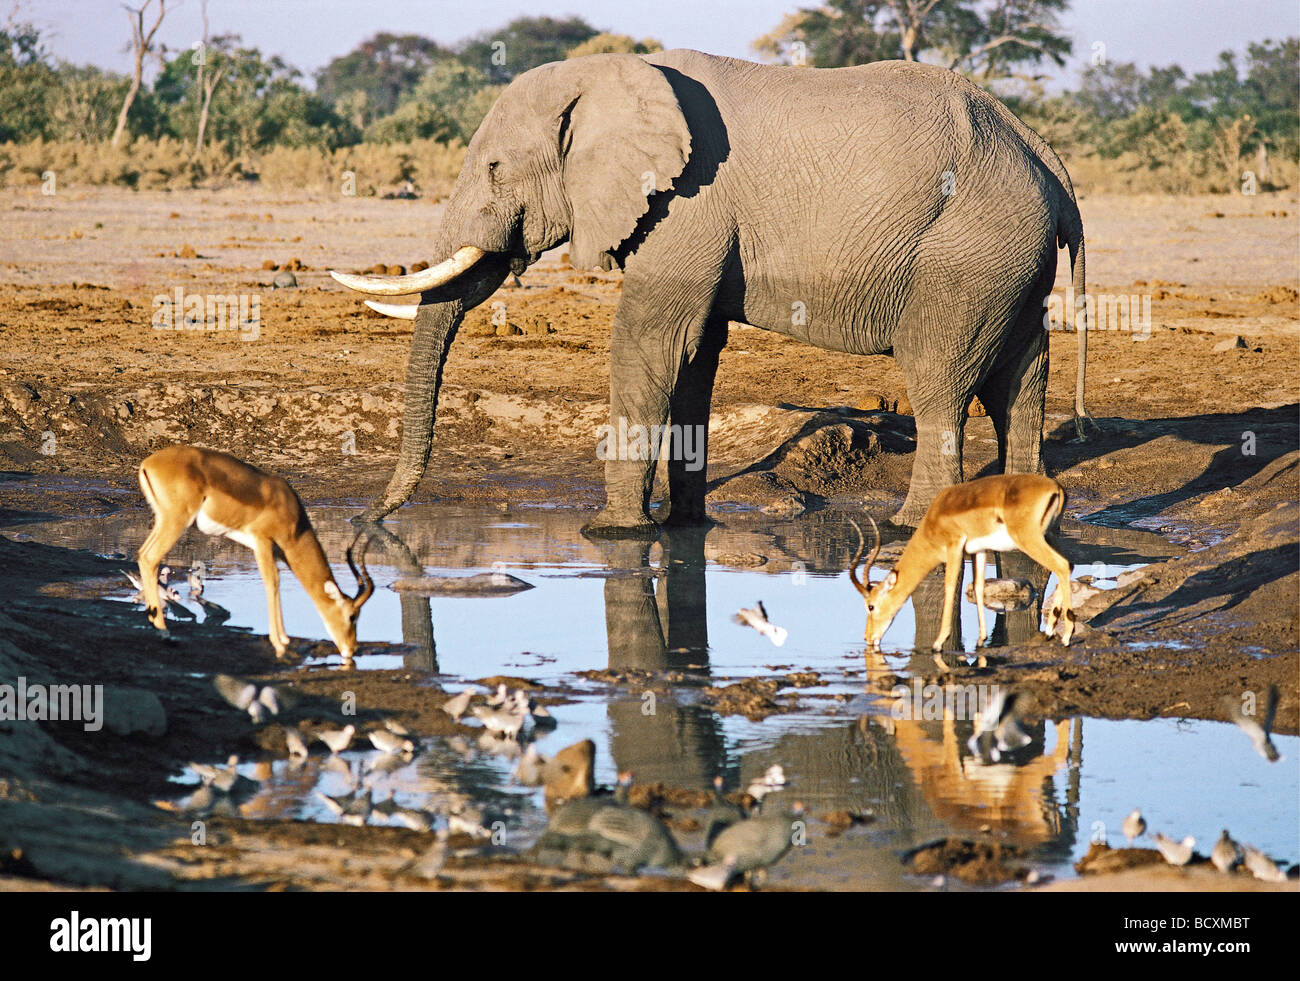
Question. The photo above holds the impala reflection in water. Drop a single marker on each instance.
(636, 634)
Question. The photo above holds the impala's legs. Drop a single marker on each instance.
(167, 528)
(979, 559)
(1055, 562)
(265, 553)
(952, 570)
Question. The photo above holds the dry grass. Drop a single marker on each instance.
(166, 163)
(432, 167)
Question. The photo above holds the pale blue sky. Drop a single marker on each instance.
(307, 33)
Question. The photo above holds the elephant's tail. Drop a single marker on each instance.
(1081, 328)
(1069, 234)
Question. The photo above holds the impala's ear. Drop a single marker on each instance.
(332, 591)
(891, 579)
(622, 137)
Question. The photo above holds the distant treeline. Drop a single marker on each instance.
(402, 107)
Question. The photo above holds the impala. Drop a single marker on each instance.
(185, 485)
(1000, 513)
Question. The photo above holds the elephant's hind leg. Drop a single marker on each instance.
(689, 418)
(1014, 392)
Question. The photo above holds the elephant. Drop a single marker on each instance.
(892, 208)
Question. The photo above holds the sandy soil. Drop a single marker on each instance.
(88, 387)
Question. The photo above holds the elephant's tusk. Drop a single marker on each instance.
(402, 311)
(427, 279)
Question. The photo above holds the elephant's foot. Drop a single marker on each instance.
(687, 518)
(620, 524)
(909, 515)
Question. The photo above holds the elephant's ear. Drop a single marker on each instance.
(623, 137)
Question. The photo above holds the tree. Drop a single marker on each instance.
(449, 103)
(524, 43)
(26, 84)
(259, 102)
(987, 39)
(607, 43)
(208, 82)
(369, 81)
(141, 46)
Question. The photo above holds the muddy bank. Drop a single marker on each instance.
(1198, 444)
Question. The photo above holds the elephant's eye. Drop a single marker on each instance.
(494, 170)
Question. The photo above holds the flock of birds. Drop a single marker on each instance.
(1226, 855)
(213, 613)
(603, 825)
(607, 825)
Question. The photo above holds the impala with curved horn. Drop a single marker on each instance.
(185, 485)
(1001, 513)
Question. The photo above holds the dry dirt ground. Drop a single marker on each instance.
(1197, 442)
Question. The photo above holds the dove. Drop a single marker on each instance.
(388, 742)
(260, 704)
(1175, 852)
(502, 693)
(757, 618)
(1260, 735)
(396, 728)
(1226, 854)
(542, 718)
(237, 693)
(456, 706)
(506, 720)
(225, 780)
(997, 728)
(197, 569)
(297, 745)
(337, 739)
(270, 698)
(1135, 826)
(413, 819)
(773, 779)
(351, 809)
(1262, 867)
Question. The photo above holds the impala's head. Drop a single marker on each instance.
(340, 611)
(881, 598)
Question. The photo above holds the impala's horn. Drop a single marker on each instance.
(365, 585)
(862, 586)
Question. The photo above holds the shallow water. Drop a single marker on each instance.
(667, 607)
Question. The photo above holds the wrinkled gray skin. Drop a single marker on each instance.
(807, 202)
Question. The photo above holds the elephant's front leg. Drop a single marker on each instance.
(646, 358)
(688, 458)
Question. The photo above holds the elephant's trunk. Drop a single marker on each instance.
(439, 316)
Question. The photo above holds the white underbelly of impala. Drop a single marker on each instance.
(998, 541)
(210, 527)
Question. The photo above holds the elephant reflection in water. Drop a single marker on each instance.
(417, 618)
(655, 735)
